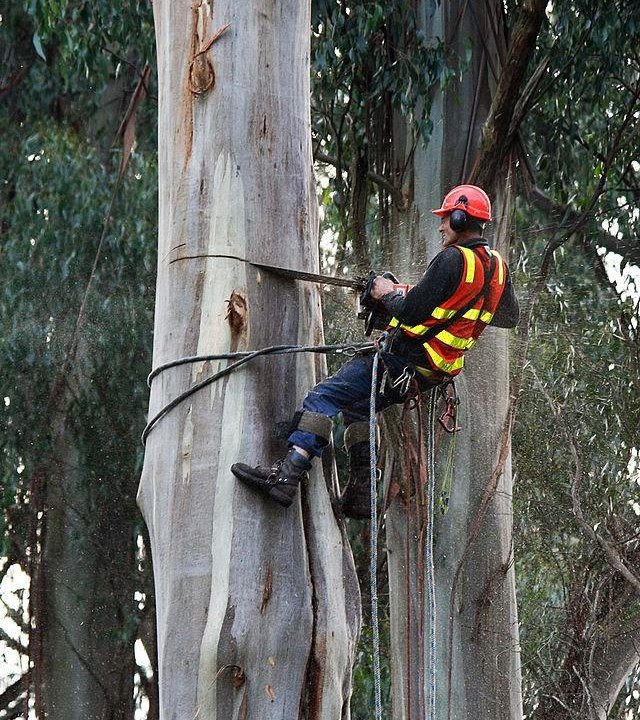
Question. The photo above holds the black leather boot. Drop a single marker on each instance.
(356, 498)
(280, 481)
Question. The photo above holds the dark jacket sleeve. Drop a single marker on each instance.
(434, 287)
(508, 311)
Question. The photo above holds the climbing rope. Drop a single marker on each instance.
(244, 357)
(373, 550)
(430, 659)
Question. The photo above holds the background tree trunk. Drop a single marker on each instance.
(257, 607)
(84, 602)
(477, 658)
(85, 610)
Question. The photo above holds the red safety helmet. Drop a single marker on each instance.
(473, 200)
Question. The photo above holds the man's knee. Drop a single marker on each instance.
(312, 422)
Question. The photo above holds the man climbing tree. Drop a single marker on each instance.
(465, 288)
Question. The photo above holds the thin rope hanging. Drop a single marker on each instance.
(430, 650)
(373, 551)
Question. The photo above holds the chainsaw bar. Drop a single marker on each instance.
(357, 284)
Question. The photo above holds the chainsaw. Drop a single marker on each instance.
(371, 311)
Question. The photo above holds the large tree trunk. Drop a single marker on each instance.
(257, 606)
(477, 654)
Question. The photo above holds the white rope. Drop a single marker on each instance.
(430, 649)
(373, 567)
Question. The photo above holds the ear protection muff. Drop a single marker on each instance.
(458, 220)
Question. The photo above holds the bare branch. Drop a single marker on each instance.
(612, 555)
(629, 248)
(498, 133)
(375, 177)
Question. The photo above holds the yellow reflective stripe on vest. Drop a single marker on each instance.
(475, 313)
(442, 313)
(414, 329)
(426, 372)
(454, 341)
(441, 363)
(470, 258)
(500, 267)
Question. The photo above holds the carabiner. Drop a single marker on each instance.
(449, 417)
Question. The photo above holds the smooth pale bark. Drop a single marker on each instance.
(478, 671)
(257, 607)
(87, 659)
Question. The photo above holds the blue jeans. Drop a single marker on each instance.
(349, 392)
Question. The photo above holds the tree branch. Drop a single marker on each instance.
(629, 248)
(612, 555)
(498, 133)
(612, 659)
(375, 177)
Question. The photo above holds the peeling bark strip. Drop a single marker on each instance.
(266, 593)
(236, 313)
(202, 76)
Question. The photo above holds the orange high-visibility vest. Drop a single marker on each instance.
(444, 349)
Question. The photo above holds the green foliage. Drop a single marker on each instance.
(60, 194)
(366, 56)
(580, 396)
(590, 83)
(581, 391)
(369, 61)
(84, 42)
(67, 86)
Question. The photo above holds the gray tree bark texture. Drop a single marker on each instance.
(257, 607)
(477, 648)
